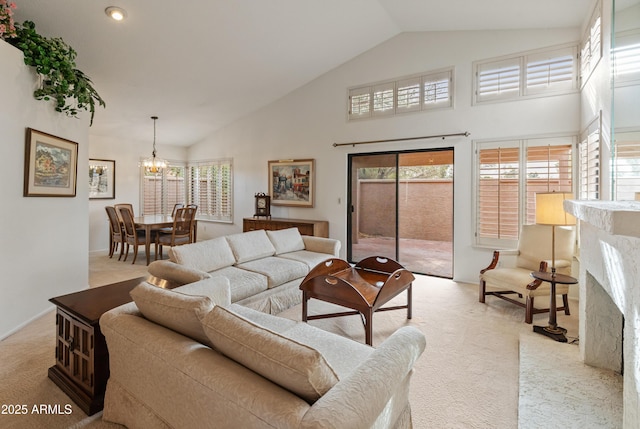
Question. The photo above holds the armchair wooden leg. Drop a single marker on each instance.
(482, 290)
(565, 302)
(528, 315)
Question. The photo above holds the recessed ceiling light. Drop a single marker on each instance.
(115, 13)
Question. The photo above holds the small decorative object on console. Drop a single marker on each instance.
(263, 205)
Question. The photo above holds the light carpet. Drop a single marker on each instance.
(466, 378)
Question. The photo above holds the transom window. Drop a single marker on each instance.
(549, 71)
(432, 90)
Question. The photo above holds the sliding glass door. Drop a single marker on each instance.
(401, 207)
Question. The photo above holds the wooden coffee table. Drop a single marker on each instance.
(365, 288)
(82, 360)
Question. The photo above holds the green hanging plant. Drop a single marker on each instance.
(60, 80)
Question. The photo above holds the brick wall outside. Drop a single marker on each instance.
(425, 207)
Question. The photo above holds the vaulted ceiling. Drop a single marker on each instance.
(200, 65)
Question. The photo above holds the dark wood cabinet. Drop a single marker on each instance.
(318, 228)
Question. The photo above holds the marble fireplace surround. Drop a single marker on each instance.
(610, 289)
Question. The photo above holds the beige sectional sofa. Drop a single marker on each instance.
(189, 358)
(264, 268)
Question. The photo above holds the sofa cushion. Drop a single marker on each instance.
(174, 310)
(207, 255)
(311, 259)
(294, 366)
(277, 270)
(251, 245)
(286, 240)
(243, 283)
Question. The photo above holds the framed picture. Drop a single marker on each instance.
(51, 166)
(102, 179)
(291, 182)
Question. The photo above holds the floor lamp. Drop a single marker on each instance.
(550, 211)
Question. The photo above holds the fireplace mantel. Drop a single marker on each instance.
(610, 290)
(613, 217)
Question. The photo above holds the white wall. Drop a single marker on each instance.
(44, 250)
(305, 123)
(127, 155)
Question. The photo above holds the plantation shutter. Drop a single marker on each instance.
(498, 79)
(174, 191)
(360, 102)
(437, 90)
(383, 96)
(498, 193)
(151, 192)
(549, 169)
(211, 189)
(626, 166)
(408, 94)
(589, 163)
(550, 71)
(591, 50)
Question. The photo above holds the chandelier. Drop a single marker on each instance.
(154, 164)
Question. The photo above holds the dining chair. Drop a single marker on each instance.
(133, 236)
(116, 234)
(123, 205)
(175, 208)
(181, 232)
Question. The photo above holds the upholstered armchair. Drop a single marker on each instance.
(510, 270)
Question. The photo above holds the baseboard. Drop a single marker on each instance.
(25, 323)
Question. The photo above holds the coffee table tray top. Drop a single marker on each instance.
(365, 287)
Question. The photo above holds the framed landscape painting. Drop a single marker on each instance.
(102, 179)
(291, 182)
(51, 166)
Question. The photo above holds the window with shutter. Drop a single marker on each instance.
(498, 80)
(408, 97)
(498, 192)
(162, 190)
(383, 96)
(508, 175)
(360, 102)
(626, 166)
(211, 189)
(551, 71)
(589, 162)
(437, 90)
(432, 90)
(591, 46)
(544, 72)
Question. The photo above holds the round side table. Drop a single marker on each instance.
(553, 330)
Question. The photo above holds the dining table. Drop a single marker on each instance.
(153, 223)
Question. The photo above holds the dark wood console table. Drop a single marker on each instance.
(82, 359)
(319, 228)
(365, 288)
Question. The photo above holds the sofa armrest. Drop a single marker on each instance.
(358, 400)
(322, 245)
(175, 274)
(217, 288)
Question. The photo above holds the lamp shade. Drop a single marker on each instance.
(550, 209)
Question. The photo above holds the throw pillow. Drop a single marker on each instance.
(174, 310)
(286, 240)
(293, 366)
